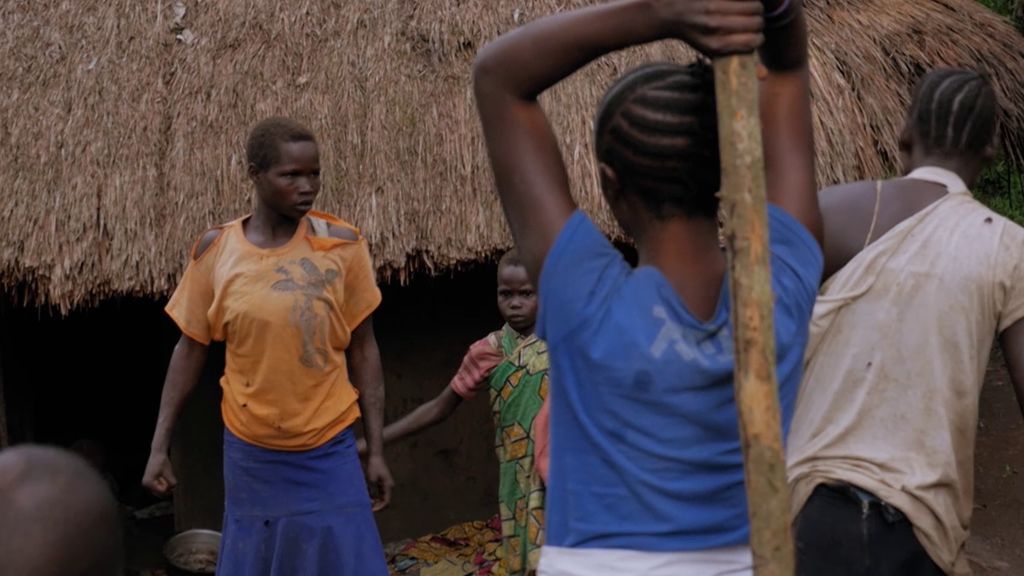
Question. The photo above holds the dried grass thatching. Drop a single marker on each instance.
(122, 122)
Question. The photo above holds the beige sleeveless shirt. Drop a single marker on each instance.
(899, 343)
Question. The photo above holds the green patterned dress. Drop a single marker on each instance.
(518, 387)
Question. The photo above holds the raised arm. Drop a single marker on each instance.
(786, 115)
(183, 374)
(511, 72)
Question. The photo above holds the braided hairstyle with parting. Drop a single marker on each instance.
(954, 113)
(657, 129)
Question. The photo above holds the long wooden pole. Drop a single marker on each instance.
(4, 438)
(746, 237)
(3, 409)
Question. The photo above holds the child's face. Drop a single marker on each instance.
(517, 300)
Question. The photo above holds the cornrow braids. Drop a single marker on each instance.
(262, 148)
(657, 129)
(955, 112)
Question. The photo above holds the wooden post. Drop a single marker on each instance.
(3, 406)
(4, 438)
(746, 237)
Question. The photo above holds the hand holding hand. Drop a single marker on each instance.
(714, 27)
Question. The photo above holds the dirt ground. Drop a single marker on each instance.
(997, 532)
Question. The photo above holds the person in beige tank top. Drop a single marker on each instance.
(920, 278)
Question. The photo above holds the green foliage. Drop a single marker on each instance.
(1004, 7)
(1012, 10)
(1001, 187)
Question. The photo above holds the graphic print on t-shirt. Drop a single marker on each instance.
(307, 283)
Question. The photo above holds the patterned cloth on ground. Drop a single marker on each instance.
(469, 549)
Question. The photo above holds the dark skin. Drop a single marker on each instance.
(511, 72)
(517, 299)
(1012, 343)
(284, 194)
(368, 377)
(848, 209)
(57, 516)
(517, 302)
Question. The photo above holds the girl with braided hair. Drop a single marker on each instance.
(646, 469)
(921, 279)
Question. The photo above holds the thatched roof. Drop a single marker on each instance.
(122, 122)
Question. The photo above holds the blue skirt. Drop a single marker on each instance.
(297, 513)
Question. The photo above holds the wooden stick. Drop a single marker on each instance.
(3, 408)
(746, 237)
(4, 438)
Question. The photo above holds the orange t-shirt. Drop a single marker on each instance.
(286, 315)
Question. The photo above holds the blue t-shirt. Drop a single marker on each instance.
(644, 431)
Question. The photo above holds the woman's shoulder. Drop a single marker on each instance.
(330, 226)
(210, 238)
(205, 241)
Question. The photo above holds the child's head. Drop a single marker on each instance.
(952, 120)
(284, 166)
(657, 143)
(517, 299)
(57, 515)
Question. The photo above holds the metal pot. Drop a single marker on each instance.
(193, 551)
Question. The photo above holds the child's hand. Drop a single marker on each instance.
(714, 27)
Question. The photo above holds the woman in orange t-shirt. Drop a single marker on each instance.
(291, 293)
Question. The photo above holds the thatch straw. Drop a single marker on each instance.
(122, 123)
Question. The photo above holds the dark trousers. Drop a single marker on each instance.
(844, 531)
